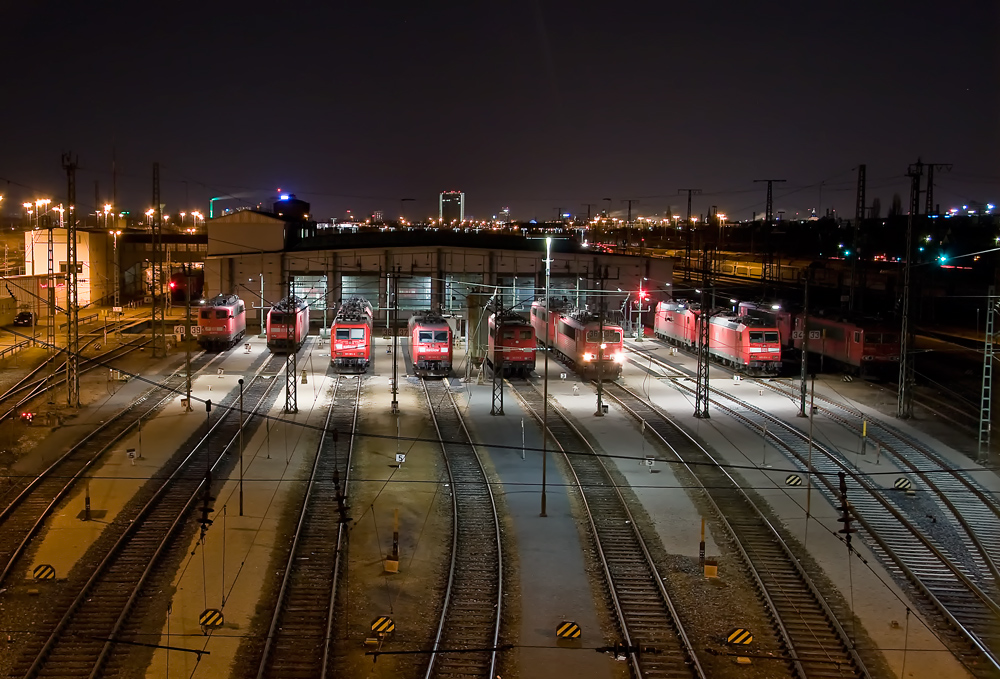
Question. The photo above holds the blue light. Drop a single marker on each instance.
(284, 196)
(565, 215)
(847, 253)
(943, 258)
(921, 248)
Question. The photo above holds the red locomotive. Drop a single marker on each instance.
(856, 342)
(287, 325)
(351, 336)
(430, 344)
(223, 322)
(746, 343)
(515, 344)
(576, 336)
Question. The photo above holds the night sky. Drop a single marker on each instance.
(532, 105)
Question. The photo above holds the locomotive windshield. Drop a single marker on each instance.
(357, 333)
(525, 334)
(432, 336)
(771, 336)
(610, 336)
(343, 333)
(221, 313)
(756, 337)
(278, 318)
(206, 314)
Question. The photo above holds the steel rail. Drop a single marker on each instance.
(291, 646)
(129, 580)
(765, 535)
(623, 588)
(471, 490)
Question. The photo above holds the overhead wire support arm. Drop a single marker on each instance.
(704, 316)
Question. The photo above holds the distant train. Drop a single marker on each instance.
(855, 342)
(746, 343)
(178, 285)
(512, 341)
(859, 343)
(430, 344)
(223, 322)
(287, 325)
(576, 336)
(351, 336)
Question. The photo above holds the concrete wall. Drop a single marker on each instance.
(246, 231)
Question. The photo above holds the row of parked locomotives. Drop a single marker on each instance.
(512, 344)
(747, 343)
(430, 344)
(592, 347)
(857, 343)
(287, 325)
(351, 336)
(223, 322)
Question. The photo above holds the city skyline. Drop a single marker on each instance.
(536, 107)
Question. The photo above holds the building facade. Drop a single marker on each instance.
(451, 207)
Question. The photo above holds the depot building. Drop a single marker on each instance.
(262, 256)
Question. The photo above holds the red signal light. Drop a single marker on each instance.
(172, 285)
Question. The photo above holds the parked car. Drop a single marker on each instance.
(25, 318)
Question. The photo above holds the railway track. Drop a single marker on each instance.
(299, 640)
(644, 611)
(91, 613)
(957, 503)
(465, 644)
(815, 642)
(31, 501)
(906, 550)
(956, 495)
(28, 388)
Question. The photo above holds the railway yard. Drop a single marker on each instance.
(441, 540)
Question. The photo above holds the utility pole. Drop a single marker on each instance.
(72, 290)
(859, 216)
(159, 338)
(497, 404)
(291, 360)
(704, 316)
(600, 346)
(50, 336)
(766, 270)
(394, 277)
(904, 403)
(187, 342)
(690, 231)
(986, 399)
(628, 224)
(929, 207)
(804, 369)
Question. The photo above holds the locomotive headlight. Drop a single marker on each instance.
(340, 346)
(619, 358)
(588, 357)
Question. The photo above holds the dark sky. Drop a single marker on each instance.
(535, 105)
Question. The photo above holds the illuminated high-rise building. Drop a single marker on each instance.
(451, 207)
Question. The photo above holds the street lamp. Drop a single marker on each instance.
(545, 388)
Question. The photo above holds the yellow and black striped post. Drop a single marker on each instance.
(568, 630)
(211, 618)
(382, 625)
(44, 572)
(739, 636)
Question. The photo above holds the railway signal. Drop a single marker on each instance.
(845, 509)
